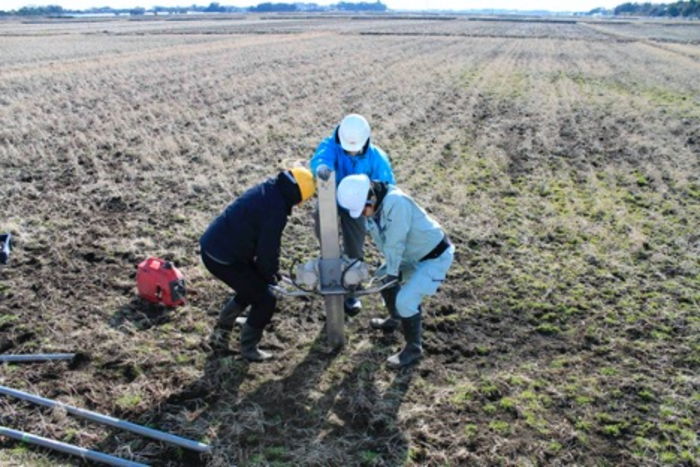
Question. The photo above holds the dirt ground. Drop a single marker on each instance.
(560, 156)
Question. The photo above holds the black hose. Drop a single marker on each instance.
(342, 276)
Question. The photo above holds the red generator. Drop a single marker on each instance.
(160, 282)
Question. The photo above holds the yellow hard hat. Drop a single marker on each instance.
(305, 180)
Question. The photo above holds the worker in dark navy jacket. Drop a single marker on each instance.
(241, 247)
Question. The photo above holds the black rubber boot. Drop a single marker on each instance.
(221, 335)
(250, 338)
(390, 324)
(412, 331)
(219, 338)
(229, 313)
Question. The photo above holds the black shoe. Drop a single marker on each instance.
(352, 306)
(388, 325)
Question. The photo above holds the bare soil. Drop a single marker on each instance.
(561, 157)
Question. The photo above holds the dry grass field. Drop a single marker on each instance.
(562, 157)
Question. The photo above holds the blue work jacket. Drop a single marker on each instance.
(372, 161)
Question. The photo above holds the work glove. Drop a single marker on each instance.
(276, 278)
(389, 279)
(323, 172)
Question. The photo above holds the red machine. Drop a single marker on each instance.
(160, 282)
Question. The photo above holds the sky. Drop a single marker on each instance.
(523, 5)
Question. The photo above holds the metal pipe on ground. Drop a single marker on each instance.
(111, 421)
(67, 448)
(37, 357)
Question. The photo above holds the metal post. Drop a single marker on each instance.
(37, 358)
(330, 264)
(67, 448)
(115, 422)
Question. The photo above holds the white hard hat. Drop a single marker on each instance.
(352, 194)
(353, 132)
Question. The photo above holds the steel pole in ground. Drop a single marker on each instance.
(115, 422)
(67, 448)
(37, 357)
(330, 264)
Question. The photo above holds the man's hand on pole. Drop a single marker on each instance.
(323, 172)
(389, 279)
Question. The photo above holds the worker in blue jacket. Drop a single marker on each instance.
(349, 151)
(241, 248)
(417, 254)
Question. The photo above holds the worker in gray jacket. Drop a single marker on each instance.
(416, 250)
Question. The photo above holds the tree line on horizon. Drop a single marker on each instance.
(681, 9)
(689, 9)
(214, 7)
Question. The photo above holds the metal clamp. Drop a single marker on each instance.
(299, 291)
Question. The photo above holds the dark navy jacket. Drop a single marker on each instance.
(250, 228)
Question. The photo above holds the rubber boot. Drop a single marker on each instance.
(229, 313)
(412, 330)
(250, 338)
(221, 335)
(219, 338)
(390, 324)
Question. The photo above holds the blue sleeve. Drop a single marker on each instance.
(381, 167)
(374, 233)
(325, 155)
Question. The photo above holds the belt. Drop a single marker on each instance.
(439, 249)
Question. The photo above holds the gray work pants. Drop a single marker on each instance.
(353, 232)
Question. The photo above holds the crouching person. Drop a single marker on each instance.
(241, 248)
(416, 251)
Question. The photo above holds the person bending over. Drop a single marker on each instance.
(241, 247)
(417, 255)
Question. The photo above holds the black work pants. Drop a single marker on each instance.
(250, 288)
